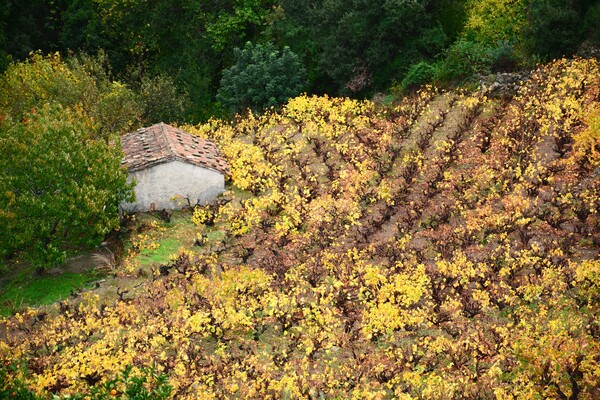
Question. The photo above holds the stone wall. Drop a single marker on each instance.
(168, 185)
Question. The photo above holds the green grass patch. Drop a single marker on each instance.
(169, 236)
(215, 236)
(25, 288)
(166, 247)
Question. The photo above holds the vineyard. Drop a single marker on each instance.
(443, 247)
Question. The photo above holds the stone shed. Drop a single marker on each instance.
(169, 166)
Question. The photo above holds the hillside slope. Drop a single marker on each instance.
(444, 248)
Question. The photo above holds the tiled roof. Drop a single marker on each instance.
(163, 143)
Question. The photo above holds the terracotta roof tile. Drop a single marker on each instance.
(162, 143)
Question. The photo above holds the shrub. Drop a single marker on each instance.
(463, 59)
(418, 75)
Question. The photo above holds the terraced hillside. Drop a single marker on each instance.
(445, 247)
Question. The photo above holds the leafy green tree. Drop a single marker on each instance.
(59, 187)
(86, 82)
(4, 56)
(145, 46)
(592, 27)
(189, 41)
(83, 82)
(261, 77)
(83, 29)
(229, 23)
(452, 15)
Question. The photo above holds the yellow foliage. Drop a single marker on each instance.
(587, 141)
(473, 277)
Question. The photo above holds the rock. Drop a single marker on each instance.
(502, 84)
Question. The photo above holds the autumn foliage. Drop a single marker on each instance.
(446, 247)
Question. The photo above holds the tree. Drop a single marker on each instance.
(4, 57)
(59, 187)
(555, 28)
(490, 22)
(354, 46)
(229, 23)
(186, 40)
(82, 82)
(261, 77)
(31, 25)
(86, 81)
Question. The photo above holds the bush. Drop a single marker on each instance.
(418, 75)
(261, 77)
(463, 60)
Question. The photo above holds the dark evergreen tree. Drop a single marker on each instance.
(555, 27)
(261, 77)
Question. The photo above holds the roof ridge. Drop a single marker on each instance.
(164, 135)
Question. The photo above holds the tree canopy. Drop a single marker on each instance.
(348, 47)
(59, 186)
(261, 77)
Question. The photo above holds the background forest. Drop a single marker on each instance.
(335, 47)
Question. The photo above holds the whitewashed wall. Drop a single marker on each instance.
(158, 185)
